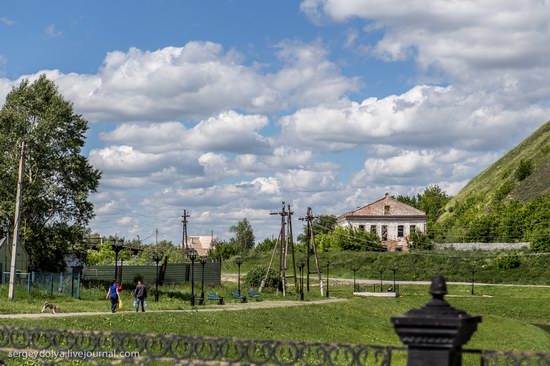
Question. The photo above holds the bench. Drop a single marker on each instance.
(255, 295)
(213, 296)
(237, 295)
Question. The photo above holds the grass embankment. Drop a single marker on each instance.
(415, 266)
(513, 319)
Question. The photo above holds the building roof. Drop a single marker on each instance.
(201, 243)
(379, 209)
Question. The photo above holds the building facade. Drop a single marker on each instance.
(202, 244)
(393, 221)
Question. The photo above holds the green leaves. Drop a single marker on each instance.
(244, 235)
(58, 179)
(348, 238)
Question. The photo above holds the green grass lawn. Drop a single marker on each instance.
(93, 299)
(513, 318)
(415, 266)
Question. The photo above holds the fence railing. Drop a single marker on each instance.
(53, 284)
(434, 335)
(508, 358)
(51, 346)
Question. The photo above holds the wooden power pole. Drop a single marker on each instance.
(311, 245)
(11, 290)
(184, 221)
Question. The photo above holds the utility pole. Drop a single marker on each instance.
(291, 244)
(311, 245)
(17, 220)
(157, 237)
(282, 256)
(184, 221)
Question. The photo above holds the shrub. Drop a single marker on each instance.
(255, 276)
(525, 168)
(540, 240)
(507, 261)
(348, 238)
(419, 241)
(503, 191)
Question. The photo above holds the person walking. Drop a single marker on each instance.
(140, 295)
(113, 295)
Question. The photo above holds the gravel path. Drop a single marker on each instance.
(233, 278)
(227, 307)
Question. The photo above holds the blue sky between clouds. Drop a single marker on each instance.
(226, 108)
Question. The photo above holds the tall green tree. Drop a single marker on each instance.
(58, 178)
(324, 224)
(244, 235)
(432, 201)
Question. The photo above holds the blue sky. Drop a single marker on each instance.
(227, 108)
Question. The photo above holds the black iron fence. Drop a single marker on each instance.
(434, 335)
(24, 346)
(507, 358)
(50, 346)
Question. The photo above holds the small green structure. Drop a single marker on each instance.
(22, 261)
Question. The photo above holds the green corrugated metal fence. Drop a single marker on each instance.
(175, 273)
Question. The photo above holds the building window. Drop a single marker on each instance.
(384, 232)
(373, 229)
(412, 229)
(362, 227)
(400, 229)
(386, 210)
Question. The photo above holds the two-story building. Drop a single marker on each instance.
(393, 221)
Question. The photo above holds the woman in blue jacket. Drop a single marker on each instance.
(113, 294)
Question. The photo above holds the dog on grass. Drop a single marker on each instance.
(54, 308)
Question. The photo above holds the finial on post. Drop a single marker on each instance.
(438, 288)
(436, 332)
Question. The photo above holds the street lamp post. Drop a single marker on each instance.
(394, 270)
(239, 261)
(473, 279)
(302, 264)
(354, 285)
(381, 273)
(328, 265)
(157, 257)
(192, 256)
(117, 248)
(203, 262)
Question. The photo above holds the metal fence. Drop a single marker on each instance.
(508, 358)
(51, 346)
(52, 284)
(434, 335)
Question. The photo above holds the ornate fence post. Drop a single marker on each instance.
(436, 332)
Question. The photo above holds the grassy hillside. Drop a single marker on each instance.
(521, 175)
(490, 267)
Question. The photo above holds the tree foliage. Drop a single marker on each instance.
(244, 236)
(323, 224)
(58, 178)
(256, 275)
(431, 201)
(540, 239)
(348, 238)
(524, 169)
(266, 245)
(224, 250)
(419, 241)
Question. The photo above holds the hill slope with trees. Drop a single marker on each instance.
(507, 202)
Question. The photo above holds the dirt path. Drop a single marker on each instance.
(227, 307)
(229, 277)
